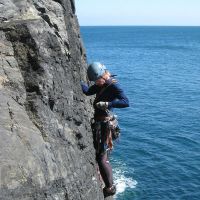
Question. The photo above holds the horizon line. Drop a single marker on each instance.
(146, 25)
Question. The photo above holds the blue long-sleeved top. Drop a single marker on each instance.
(113, 94)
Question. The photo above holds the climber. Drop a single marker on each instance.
(109, 95)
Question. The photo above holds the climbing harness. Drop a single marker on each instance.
(110, 133)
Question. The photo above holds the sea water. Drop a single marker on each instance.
(158, 154)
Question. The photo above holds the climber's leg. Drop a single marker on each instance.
(105, 169)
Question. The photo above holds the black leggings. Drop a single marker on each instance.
(105, 169)
(102, 157)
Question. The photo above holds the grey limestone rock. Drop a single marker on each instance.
(45, 138)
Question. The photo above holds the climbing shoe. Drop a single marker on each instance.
(109, 191)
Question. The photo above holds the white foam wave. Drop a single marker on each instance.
(122, 182)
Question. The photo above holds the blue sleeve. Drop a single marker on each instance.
(89, 90)
(121, 100)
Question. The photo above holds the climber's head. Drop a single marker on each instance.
(97, 72)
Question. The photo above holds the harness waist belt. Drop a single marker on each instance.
(102, 118)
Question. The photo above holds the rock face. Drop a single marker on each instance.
(45, 138)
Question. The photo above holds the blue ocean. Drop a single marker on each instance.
(158, 154)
